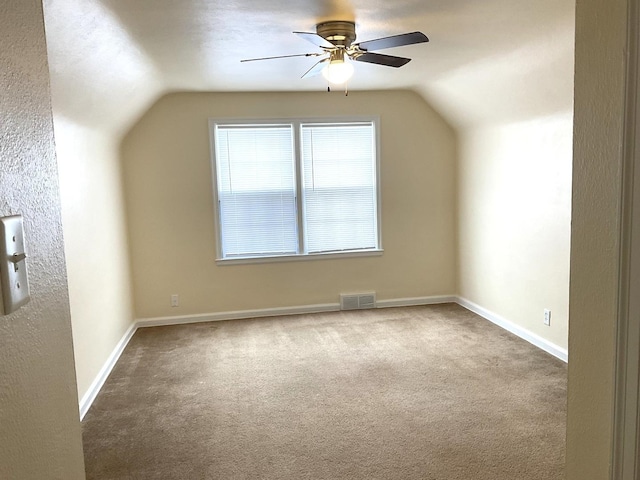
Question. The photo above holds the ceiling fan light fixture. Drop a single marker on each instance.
(337, 49)
(339, 69)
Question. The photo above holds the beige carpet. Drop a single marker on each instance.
(432, 393)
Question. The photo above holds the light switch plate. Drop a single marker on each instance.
(13, 264)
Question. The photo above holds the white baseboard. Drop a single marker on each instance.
(94, 389)
(415, 301)
(236, 315)
(517, 330)
(276, 312)
(96, 385)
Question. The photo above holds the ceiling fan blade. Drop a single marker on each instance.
(283, 56)
(394, 41)
(379, 59)
(315, 39)
(316, 69)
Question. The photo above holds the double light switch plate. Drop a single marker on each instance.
(13, 265)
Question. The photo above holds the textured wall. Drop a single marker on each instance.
(595, 246)
(167, 171)
(40, 432)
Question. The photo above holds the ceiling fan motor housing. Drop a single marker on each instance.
(341, 33)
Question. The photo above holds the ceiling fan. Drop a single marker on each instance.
(336, 38)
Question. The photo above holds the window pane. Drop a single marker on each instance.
(256, 189)
(339, 187)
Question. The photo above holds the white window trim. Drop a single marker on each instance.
(296, 122)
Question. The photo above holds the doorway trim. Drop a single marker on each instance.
(626, 457)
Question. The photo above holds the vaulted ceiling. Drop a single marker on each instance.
(488, 61)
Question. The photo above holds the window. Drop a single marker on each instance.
(295, 188)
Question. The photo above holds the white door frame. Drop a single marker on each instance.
(626, 454)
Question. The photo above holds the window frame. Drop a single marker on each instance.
(296, 123)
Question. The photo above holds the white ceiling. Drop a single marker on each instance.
(488, 60)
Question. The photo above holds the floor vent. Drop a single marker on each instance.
(358, 301)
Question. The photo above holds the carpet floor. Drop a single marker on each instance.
(430, 393)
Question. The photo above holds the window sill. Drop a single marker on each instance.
(300, 257)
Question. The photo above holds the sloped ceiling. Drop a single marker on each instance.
(488, 60)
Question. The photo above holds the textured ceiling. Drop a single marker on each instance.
(488, 60)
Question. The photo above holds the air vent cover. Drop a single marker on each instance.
(357, 301)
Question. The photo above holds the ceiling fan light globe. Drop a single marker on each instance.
(338, 72)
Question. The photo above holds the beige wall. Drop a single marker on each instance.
(514, 221)
(167, 169)
(40, 434)
(95, 244)
(595, 245)
(99, 84)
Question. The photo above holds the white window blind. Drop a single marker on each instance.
(339, 185)
(259, 169)
(256, 190)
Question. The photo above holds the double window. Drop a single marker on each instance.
(295, 188)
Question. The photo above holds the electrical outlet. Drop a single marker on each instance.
(174, 300)
(547, 317)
